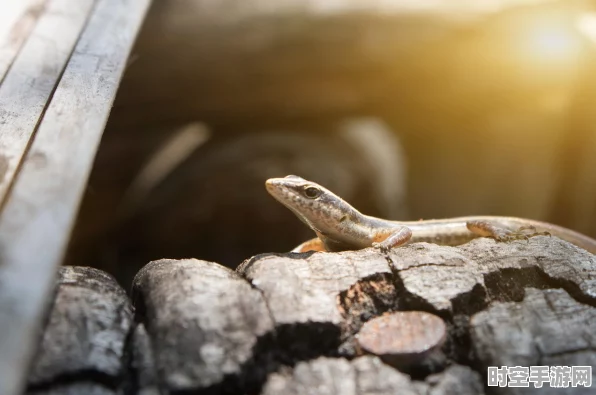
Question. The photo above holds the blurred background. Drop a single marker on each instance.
(407, 109)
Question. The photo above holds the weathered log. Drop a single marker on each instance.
(143, 370)
(85, 339)
(204, 321)
(549, 327)
(368, 375)
(298, 323)
(456, 283)
(75, 389)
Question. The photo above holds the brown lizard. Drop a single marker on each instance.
(339, 226)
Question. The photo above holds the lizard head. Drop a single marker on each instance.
(316, 206)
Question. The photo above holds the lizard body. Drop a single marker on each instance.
(339, 226)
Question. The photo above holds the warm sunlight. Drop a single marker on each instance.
(586, 24)
(552, 40)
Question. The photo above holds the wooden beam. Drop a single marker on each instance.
(39, 213)
(17, 19)
(27, 87)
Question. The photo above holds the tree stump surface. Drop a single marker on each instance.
(293, 323)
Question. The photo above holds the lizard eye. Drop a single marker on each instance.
(312, 192)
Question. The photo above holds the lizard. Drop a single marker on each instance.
(340, 227)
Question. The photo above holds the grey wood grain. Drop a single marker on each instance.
(75, 389)
(310, 284)
(441, 276)
(368, 375)
(17, 19)
(463, 285)
(547, 328)
(39, 213)
(146, 380)
(204, 322)
(28, 86)
(86, 333)
(290, 323)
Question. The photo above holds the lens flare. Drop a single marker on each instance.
(586, 24)
(553, 42)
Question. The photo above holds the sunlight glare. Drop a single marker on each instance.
(553, 42)
(587, 25)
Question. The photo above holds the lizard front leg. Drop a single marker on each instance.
(487, 229)
(384, 240)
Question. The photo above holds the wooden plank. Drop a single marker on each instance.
(40, 211)
(17, 19)
(32, 78)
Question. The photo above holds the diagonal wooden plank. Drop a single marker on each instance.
(17, 19)
(40, 210)
(32, 78)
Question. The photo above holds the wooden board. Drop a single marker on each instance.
(25, 91)
(17, 19)
(39, 212)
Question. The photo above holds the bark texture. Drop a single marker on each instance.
(324, 323)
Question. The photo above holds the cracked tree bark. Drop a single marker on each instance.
(293, 323)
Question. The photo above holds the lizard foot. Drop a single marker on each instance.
(381, 247)
(397, 237)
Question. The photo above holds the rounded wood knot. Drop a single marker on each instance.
(403, 338)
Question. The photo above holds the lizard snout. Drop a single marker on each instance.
(274, 185)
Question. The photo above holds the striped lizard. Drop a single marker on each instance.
(339, 226)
